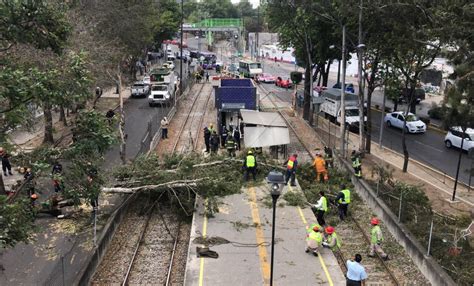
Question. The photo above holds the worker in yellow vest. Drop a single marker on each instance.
(376, 239)
(343, 200)
(321, 208)
(331, 239)
(313, 240)
(291, 166)
(250, 166)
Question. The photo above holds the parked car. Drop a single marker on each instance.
(171, 57)
(147, 80)
(413, 125)
(285, 83)
(453, 138)
(170, 64)
(266, 78)
(140, 89)
(160, 94)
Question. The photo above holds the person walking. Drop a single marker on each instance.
(331, 239)
(236, 135)
(250, 166)
(320, 167)
(291, 165)
(356, 164)
(314, 238)
(376, 239)
(6, 166)
(214, 142)
(321, 208)
(164, 128)
(356, 274)
(207, 139)
(207, 76)
(343, 200)
(230, 145)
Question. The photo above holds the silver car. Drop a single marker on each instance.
(140, 89)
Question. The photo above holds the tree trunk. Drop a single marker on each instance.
(2, 186)
(406, 156)
(325, 73)
(48, 123)
(122, 120)
(368, 141)
(62, 115)
(307, 92)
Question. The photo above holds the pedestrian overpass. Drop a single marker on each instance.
(214, 25)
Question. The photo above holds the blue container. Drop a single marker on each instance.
(236, 94)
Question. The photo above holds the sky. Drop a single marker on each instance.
(253, 2)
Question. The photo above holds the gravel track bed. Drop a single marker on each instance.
(184, 108)
(181, 255)
(192, 128)
(152, 260)
(114, 265)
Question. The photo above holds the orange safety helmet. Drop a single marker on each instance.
(329, 230)
(374, 221)
(316, 228)
(34, 196)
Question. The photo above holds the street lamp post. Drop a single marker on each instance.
(277, 180)
(181, 52)
(343, 90)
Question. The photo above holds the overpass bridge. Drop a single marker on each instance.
(215, 25)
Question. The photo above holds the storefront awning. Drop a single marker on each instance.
(270, 129)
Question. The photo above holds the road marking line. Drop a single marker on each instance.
(427, 146)
(262, 250)
(204, 232)
(321, 260)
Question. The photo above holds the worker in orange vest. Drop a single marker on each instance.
(291, 165)
(320, 167)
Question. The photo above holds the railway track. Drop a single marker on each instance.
(357, 239)
(188, 135)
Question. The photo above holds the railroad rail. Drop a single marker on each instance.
(189, 124)
(361, 239)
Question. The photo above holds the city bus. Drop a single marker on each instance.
(250, 69)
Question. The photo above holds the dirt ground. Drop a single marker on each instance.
(440, 201)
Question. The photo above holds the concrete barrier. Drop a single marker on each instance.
(86, 274)
(427, 265)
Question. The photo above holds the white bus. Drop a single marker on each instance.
(250, 69)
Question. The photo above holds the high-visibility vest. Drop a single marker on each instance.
(230, 144)
(347, 197)
(250, 161)
(375, 234)
(316, 236)
(310, 228)
(291, 163)
(355, 161)
(338, 241)
(324, 207)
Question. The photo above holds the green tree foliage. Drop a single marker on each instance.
(16, 222)
(39, 23)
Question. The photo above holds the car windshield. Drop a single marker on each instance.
(138, 85)
(411, 118)
(352, 112)
(160, 88)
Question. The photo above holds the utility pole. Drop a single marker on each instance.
(360, 52)
(258, 29)
(343, 90)
(181, 53)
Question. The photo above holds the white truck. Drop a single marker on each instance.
(331, 107)
(163, 87)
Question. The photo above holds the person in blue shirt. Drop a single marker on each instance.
(356, 274)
